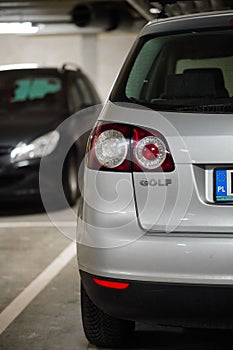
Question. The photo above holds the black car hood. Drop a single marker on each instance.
(25, 129)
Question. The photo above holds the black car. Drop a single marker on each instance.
(33, 103)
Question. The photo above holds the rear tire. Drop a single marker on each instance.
(103, 330)
(70, 179)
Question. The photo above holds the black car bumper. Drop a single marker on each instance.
(24, 180)
(201, 306)
(20, 181)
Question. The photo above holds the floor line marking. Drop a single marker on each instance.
(16, 307)
(25, 224)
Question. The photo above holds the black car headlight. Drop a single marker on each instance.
(38, 148)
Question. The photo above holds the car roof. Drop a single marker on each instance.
(189, 22)
(35, 68)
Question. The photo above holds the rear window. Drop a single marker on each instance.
(30, 90)
(185, 72)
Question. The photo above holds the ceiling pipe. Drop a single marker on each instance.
(139, 6)
(105, 15)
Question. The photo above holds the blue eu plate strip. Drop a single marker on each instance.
(221, 183)
(222, 193)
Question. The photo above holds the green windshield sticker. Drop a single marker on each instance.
(38, 88)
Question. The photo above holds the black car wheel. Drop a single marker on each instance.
(70, 179)
(101, 329)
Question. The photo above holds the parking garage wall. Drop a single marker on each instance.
(50, 50)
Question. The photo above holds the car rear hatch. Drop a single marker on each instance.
(184, 77)
(197, 195)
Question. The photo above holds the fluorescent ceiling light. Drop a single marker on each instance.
(18, 66)
(18, 28)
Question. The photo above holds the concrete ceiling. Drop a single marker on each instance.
(177, 8)
(58, 12)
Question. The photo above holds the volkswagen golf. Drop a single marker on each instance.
(155, 224)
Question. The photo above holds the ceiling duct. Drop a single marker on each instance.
(170, 8)
(104, 15)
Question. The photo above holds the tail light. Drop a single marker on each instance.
(121, 147)
(109, 148)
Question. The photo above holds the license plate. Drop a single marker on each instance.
(223, 185)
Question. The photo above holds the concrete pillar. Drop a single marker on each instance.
(89, 55)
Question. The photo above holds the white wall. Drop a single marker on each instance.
(52, 50)
(112, 50)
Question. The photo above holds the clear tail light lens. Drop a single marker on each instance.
(120, 147)
(108, 148)
(111, 148)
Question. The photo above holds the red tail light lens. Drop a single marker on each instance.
(150, 151)
(120, 147)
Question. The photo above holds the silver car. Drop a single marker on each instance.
(155, 223)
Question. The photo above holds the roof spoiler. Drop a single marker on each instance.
(70, 65)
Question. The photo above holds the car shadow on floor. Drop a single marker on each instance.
(15, 209)
(182, 340)
(28, 208)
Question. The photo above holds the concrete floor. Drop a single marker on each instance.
(52, 320)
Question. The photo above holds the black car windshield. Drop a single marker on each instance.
(190, 72)
(30, 91)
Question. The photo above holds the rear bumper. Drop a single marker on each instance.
(186, 259)
(186, 305)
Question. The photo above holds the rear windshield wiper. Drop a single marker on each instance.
(161, 105)
(136, 100)
(215, 108)
(142, 102)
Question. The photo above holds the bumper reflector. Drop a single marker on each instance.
(110, 284)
